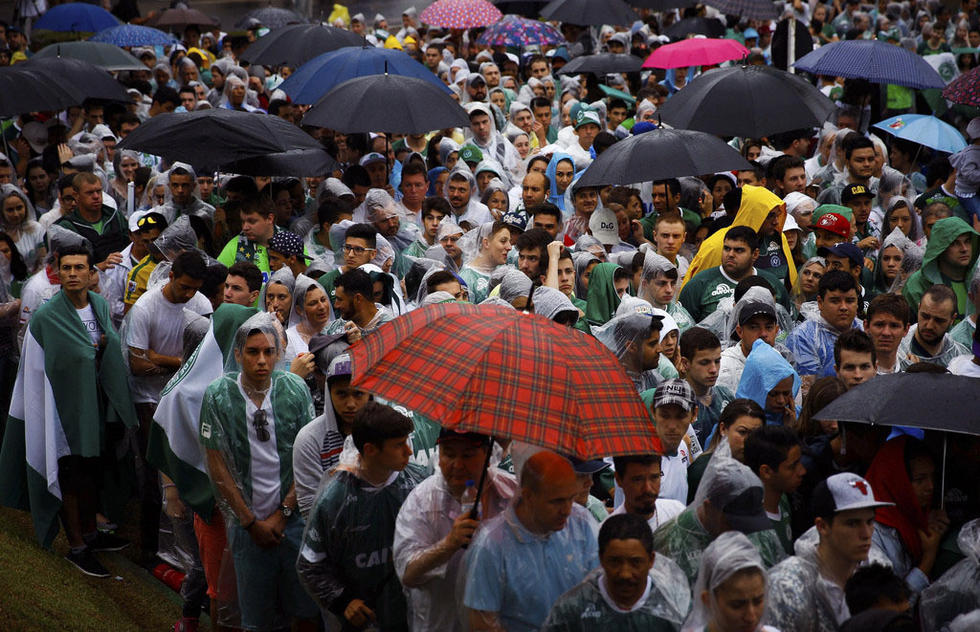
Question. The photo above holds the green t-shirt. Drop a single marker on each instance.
(701, 295)
(327, 281)
(782, 526)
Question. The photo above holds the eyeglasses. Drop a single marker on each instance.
(357, 250)
(261, 425)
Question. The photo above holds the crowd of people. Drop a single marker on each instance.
(178, 341)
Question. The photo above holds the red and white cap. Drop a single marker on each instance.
(844, 492)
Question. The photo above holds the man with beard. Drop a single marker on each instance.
(927, 340)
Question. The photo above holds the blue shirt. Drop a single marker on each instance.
(520, 575)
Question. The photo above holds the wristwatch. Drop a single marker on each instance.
(287, 512)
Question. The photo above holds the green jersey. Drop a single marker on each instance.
(702, 294)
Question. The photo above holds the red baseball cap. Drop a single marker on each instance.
(835, 223)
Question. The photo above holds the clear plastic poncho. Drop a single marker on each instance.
(550, 302)
(728, 554)
(284, 277)
(958, 590)
(722, 321)
(513, 283)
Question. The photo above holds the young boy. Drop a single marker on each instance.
(700, 363)
(434, 209)
(674, 409)
(773, 454)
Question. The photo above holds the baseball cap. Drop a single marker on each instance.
(371, 158)
(746, 513)
(36, 135)
(146, 221)
(604, 226)
(834, 223)
(287, 243)
(587, 467)
(734, 489)
(790, 223)
(471, 153)
(585, 117)
(515, 219)
(852, 191)
(475, 77)
(675, 391)
(473, 437)
(622, 39)
(474, 107)
(844, 492)
(844, 249)
(339, 366)
(755, 308)
(749, 33)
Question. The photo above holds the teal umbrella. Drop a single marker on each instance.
(98, 54)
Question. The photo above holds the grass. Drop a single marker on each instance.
(39, 590)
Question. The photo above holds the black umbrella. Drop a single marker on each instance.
(710, 27)
(931, 401)
(271, 17)
(298, 162)
(659, 154)
(54, 84)
(182, 17)
(296, 44)
(216, 137)
(527, 8)
(602, 63)
(590, 12)
(751, 101)
(749, 9)
(386, 103)
(107, 56)
(662, 5)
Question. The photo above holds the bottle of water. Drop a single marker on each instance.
(469, 497)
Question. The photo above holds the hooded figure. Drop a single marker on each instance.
(554, 305)
(624, 336)
(943, 234)
(896, 239)
(582, 261)
(764, 369)
(655, 265)
(958, 590)
(757, 202)
(497, 146)
(28, 235)
(602, 298)
(476, 213)
(561, 199)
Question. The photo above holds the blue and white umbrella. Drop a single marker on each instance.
(924, 130)
(321, 74)
(128, 35)
(873, 60)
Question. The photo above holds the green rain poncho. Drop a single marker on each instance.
(602, 299)
(944, 233)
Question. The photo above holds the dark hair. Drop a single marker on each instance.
(72, 250)
(414, 168)
(18, 268)
(330, 210)
(836, 281)
(938, 170)
(940, 293)
(377, 423)
(782, 140)
(436, 204)
(870, 584)
(751, 281)
(545, 208)
(673, 185)
(65, 182)
(535, 238)
(625, 527)
(894, 304)
(166, 94)
(781, 164)
(367, 232)
(822, 392)
(769, 445)
(190, 264)
(438, 278)
(756, 168)
(854, 141)
(740, 407)
(617, 103)
(540, 102)
(854, 340)
(242, 184)
(248, 271)
(697, 339)
(356, 281)
(603, 141)
(215, 276)
(356, 176)
(743, 233)
(620, 463)
(261, 205)
(277, 104)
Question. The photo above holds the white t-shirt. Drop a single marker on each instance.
(264, 466)
(90, 323)
(673, 485)
(156, 323)
(964, 365)
(666, 509)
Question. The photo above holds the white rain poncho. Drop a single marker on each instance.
(284, 277)
(425, 518)
(551, 304)
(582, 261)
(176, 238)
(625, 334)
(391, 293)
(730, 553)
(297, 315)
(722, 321)
(588, 243)
(513, 283)
(476, 212)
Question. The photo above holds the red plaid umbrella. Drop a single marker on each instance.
(965, 89)
(460, 14)
(499, 372)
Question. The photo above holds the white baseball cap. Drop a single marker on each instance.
(604, 226)
(844, 492)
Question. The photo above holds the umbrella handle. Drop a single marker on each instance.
(942, 479)
(483, 478)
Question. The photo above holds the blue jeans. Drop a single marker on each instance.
(971, 205)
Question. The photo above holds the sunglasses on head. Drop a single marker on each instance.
(261, 425)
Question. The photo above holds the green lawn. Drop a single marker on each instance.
(39, 590)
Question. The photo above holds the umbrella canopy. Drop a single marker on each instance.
(590, 12)
(750, 101)
(183, 17)
(499, 372)
(323, 73)
(386, 103)
(76, 17)
(126, 35)
(709, 27)
(96, 53)
(660, 154)
(528, 8)
(965, 89)
(662, 5)
(602, 63)
(873, 60)
(460, 14)
(921, 400)
(271, 17)
(216, 137)
(924, 130)
(297, 162)
(296, 44)
(750, 9)
(696, 51)
(519, 32)
(54, 84)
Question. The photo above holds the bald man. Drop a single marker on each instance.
(525, 558)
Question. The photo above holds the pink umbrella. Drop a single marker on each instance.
(696, 51)
(460, 14)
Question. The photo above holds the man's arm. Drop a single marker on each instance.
(145, 362)
(262, 531)
(482, 621)
(440, 553)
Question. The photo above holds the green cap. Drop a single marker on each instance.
(823, 209)
(470, 153)
(587, 117)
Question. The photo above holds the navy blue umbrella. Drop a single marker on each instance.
(76, 17)
(873, 60)
(321, 74)
(126, 35)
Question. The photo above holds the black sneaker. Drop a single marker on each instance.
(85, 561)
(107, 542)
